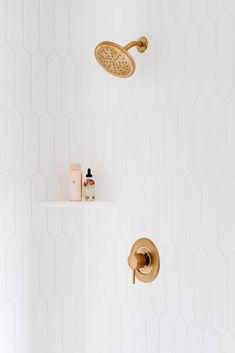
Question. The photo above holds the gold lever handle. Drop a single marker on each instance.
(133, 276)
(136, 261)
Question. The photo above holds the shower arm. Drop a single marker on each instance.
(135, 43)
(141, 44)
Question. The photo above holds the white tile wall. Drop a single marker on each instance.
(161, 143)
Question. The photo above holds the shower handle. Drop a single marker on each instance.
(136, 262)
(144, 260)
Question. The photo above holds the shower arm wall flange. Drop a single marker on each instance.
(141, 44)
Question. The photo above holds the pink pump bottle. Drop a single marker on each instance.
(75, 182)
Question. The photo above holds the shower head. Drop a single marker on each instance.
(116, 59)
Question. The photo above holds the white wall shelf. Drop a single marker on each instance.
(75, 204)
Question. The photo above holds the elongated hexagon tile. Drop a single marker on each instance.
(217, 136)
(191, 55)
(126, 328)
(88, 140)
(22, 81)
(94, 282)
(231, 293)
(149, 71)
(156, 125)
(83, 89)
(54, 223)
(31, 25)
(76, 262)
(144, 141)
(138, 330)
(177, 66)
(171, 139)
(178, 212)
(75, 139)
(7, 327)
(132, 153)
(152, 332)
(39, 215)
(54, 187)
(30, 268)
(3, 125)
(55, 326)
(3, 19)
(219, 295)
(14, 270)
(211, 341)
(46, 25)
(108, 145)
(195, 339)
(47, 265)
(22, 206)
(113, 326)
(78, 13)
(230, 6)
(162, 81)
(151, 206)
(14, 16)
(179, 336)
(230, 110)
(165, 334)
(7, 209)
(39, 83)
(136, 91)
(2, 272)
(193, 214)
(202, 288)
(95, 308)
(62, 265)
(226, 214)
(47, 140)
(31, 144)
(164, 199)
(61, 145)
(185, 138)
(168, 14)
(6, 79)
(182, 13)
(210, 234)
(215, 8)
(172, 281)
(14, 143)
(61, 11)
(39, 325)
(54, 85)
(224, 44)
(186, 283)
(207, 57)
(154, 18)
(22, 326)
(201, 137)
(69, 97)
(227, 343)
(199, 11)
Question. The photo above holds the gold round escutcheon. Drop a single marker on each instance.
(144, 260)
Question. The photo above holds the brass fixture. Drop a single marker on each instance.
(116, 60)
(144, 260)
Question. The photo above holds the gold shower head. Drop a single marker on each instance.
(116, 60)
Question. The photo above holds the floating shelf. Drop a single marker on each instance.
(75, 204)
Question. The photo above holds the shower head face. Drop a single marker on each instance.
(115, 59)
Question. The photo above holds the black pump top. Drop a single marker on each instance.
(88, 174)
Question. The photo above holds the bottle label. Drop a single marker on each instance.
(89, 190)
